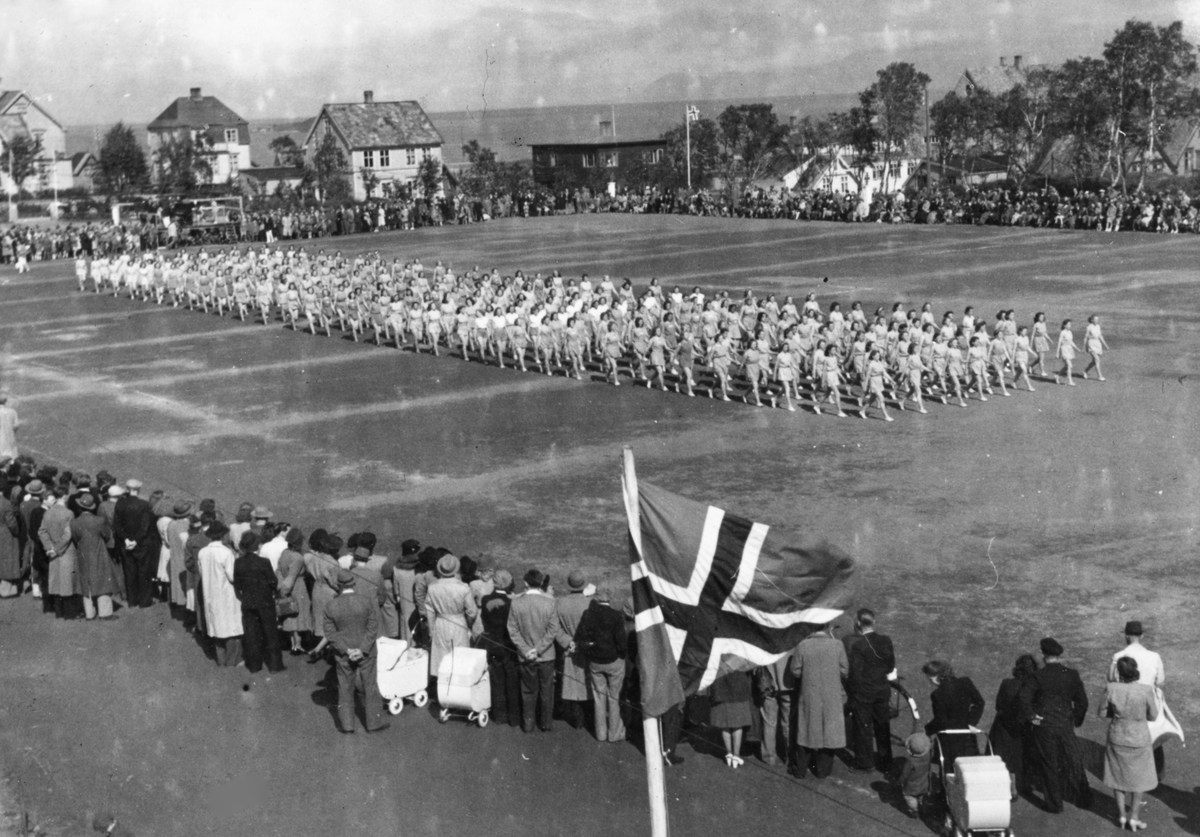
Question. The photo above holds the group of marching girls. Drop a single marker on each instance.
(749, 349)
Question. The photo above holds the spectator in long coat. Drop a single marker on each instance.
(55, 535)
(403, 577)
(574, 677)
(451, 608)
(501, 653)
(97, 571)
(176, 535)
(137, 538)
(222, 610)
(291, 574)
(819, 665)
(31, 512)
(12, 570)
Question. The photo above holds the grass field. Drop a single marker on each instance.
(1061, 512)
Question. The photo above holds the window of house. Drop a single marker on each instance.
(410, 155)
(385, 158)
(424, 154)
(231, 136)
(606, 128)
(552, 159)
(610, 159)
(368, 159)
(589, 161)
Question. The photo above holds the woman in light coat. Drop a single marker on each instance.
(222, 609)
(451, 609)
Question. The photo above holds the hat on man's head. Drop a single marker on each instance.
(104, 476)
(133, 485)
(362, 552)
(576, 581)
(503, 580)
(407, 562)
(410, 547)
(345, 579)
(85, 501)
(115, 491)
(603, 594)
(35, 488)
(183, 508)
(1133, 628)
(1051, 647)
(262, 513)
(447, 566)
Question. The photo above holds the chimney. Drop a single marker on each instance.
(195, 95)
(1017, 61)
(368, 97)
(1002, 61)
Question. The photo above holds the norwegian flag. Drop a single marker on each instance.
(693, 113)
(715, 593)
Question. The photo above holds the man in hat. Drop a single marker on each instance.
(259, 518)
(1150, 672)
(501, 653)
(450, 607)
(404, 575)
(137, 541)
(602, 641)
(352, 626)
(8, 429)
(573, 675)
(1055, 705)
(222, 610)
(31, 512)
(242, 522)
(868, 688)
(534, 628)
(177, 535)
(380, 569)
(96, 570)
(819, 666)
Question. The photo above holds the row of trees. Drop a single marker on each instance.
(1109, 114)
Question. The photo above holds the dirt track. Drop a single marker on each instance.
(1063, 512)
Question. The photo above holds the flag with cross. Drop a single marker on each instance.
(715, 593)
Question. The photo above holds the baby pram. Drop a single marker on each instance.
(464, 685)
(402, 672)
(976, 790)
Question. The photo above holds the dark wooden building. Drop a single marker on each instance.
(589, 152)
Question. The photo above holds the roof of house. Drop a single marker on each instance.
(998, 79)
(81, 160)
(9, 97)
(195, 112)
(379, 124)
(1180, 138)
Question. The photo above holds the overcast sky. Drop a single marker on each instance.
(94, 61)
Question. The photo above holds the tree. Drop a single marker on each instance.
(1080, 111)
(479, 179)
(893, 103)
(750, 140)
(122, 165)
(963, 123)
(370, 181)
(429, 175)
(672, 172)
(1022, 117)
(329, 169)
(1149, 68)
(20, 157)
(183, 163)
(287, 153)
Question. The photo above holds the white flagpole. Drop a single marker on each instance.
(651, 736)
(687, 121)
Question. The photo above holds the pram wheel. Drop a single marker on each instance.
(396, 706)
(483, 719)
(420, 698)
(444, 715)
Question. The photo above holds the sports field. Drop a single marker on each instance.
(978, 531)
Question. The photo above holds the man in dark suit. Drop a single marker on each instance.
(137, 542)
(254, 582)
(352, 626)
(1055, 706)
(868, 689)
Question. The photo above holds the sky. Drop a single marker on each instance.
(97, 61)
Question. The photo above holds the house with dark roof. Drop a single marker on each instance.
(591, 153)
(207, 120)
(384, 142)
(997, 79)
(23, 116)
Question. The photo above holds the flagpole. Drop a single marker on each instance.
(687, 121)
(651, 736)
